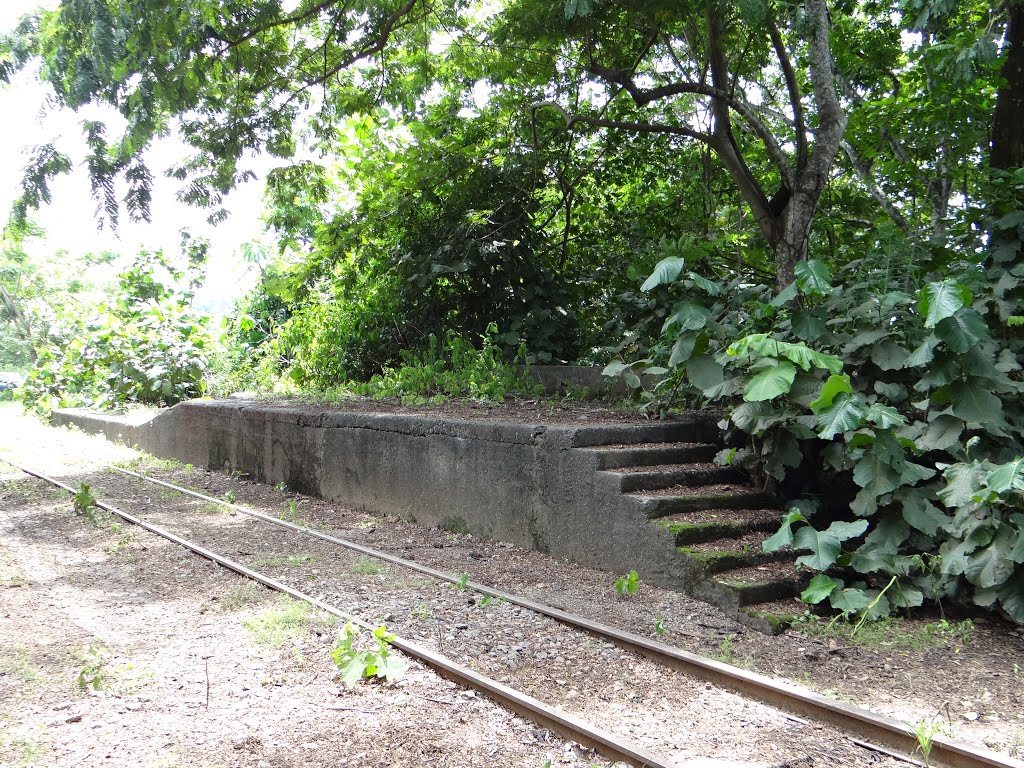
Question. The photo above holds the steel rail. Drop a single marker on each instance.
(872, 727)
(606, 743)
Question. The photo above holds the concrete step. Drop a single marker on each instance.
(761, 583)
(691, 429)
(680, 498)
(774, 615)
(733, 553)
(670, 475)
(653, 454)
(711, 524)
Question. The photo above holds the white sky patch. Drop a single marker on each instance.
(70, 223)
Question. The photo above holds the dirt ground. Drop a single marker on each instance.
(119, 648)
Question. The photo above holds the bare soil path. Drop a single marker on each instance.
(159, 629)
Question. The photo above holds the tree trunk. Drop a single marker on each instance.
(1008, 124)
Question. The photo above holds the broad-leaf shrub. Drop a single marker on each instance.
(145, 345)
(889, 414)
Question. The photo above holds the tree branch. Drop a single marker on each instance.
(717, 93)
(794, 93)
(571, 119)
(864, 173)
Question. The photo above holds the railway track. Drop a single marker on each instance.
(867, 730)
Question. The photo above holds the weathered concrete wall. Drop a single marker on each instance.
(536, 486)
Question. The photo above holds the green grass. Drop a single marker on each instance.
(23, 750)
(727, 655)
(891, 633)
(279, 626)
(243, 596)
(21, 666)
(271, 561)
(10, 573)
(365, 566)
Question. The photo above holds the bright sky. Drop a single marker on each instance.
(69, 221)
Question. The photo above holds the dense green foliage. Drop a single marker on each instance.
(143, 344)
(809, 215)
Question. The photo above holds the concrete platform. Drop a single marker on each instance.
(534, 485)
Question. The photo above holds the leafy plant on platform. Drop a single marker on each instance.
(454, 369)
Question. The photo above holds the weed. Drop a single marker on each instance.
(376, 662)
(925, 731)
(422, 612)
(229, 497)
(120, 547)
(21, 666)
(10, 574)
(92, 675)
(291, 511)
(961, 630)
(455, 525)
(272, 561)
(84, 499)
(365, 566)
(245, 595)
(727, 655)
(281, 487)
(628, 584)
(27, 751)
(659, 627)
(276, 627)
(461, 582)
(890, 633)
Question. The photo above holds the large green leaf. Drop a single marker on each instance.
(990, 566)
(682, 349)
(826, 545)
(706, 285)
(963, 483)
(835, 384)
(849, 600)
(942, 434)
(689, 316)
(768, 346)
(923, 354)
(1011, 596)
(784, 536)
(704, 372)
(884, 416)
(973, 402)
(937, 301)
(845, 413)
(813, 277)
(807, 325)
(872, 558)
(821, 586)
(666, 271)
(770, 382)
(888, 355)
(1007, 477)
(921, 513)
(962, 331)
(878, 470)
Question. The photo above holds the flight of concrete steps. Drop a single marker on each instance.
(718, 522)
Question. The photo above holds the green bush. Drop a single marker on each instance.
(883, 404)
(146, 345)
(454, 369)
